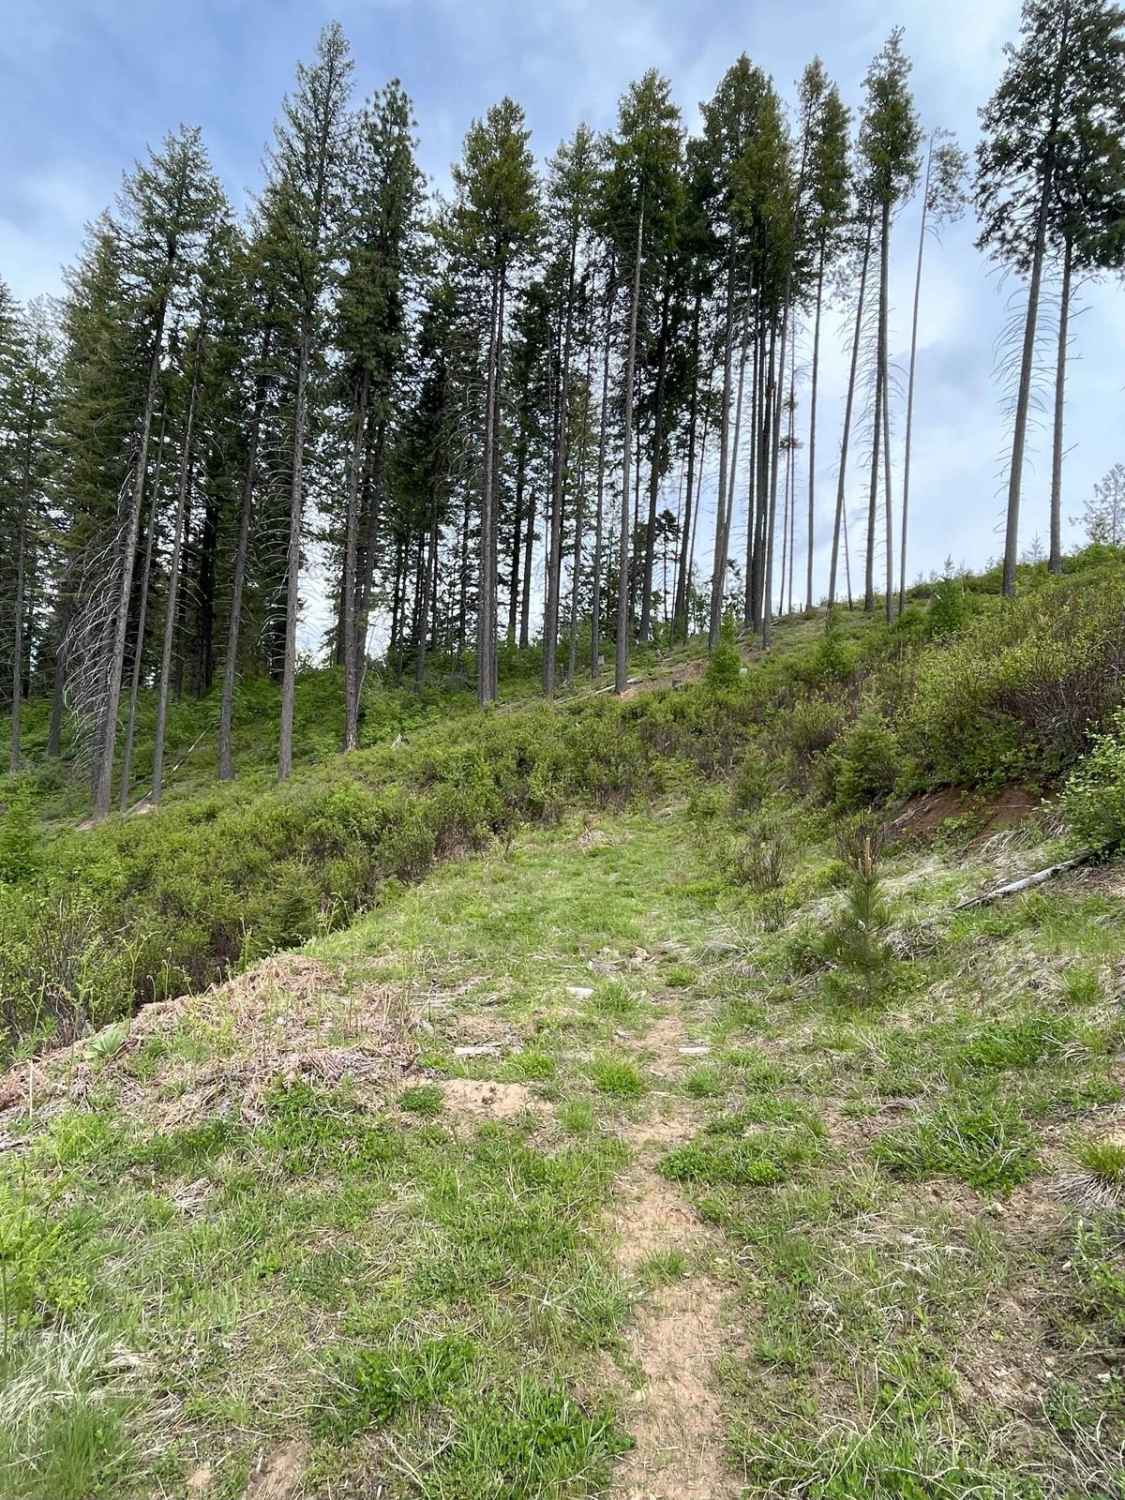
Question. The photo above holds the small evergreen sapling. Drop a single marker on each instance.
(856, 944)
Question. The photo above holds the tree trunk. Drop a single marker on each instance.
(812, 428)
(718, 573)
(596, 598)
(910, 381)
(884, 380)
(621, 664)
(351, 541)
(842, 474)
(103, 781)
(558, 484)
(753, 492)
(683, 582)
(182, 489)
(1027, 358)
(293, 559)
(654, 473)
(1054, 563)
(238, 583)
(767, 603)
(142, 612)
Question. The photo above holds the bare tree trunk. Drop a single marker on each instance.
(873, 488)
(654, 472)
(484, 597)
(718, 573)
(683, 581)
(812, 427)
(579, 521)
(767, 606)
(351, 541)
(293, 559)
(17, 645)
(1027, 358)
(842, 474)
(238, 583)
(428, 575)
(558, 484)
(528, 560)
(910, 380)
(596, 598)
(1054, 564)
(183, 485)
(103, 780)
(621, 664)
(142, 612)
(884, 380)
(755, 486)
(728, 514)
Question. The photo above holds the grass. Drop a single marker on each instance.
(272, 1215)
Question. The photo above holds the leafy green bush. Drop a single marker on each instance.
(865, 762)
(725, 667)
(1094, 800)
(949, 609)
(1017, 692)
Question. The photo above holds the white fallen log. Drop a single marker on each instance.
(1014, 887)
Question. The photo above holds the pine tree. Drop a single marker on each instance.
(384, 192)
(496, 222)
(164, 210)
(28, 382)
(829, 169)
(1059, 104)
(302, 212)
(642, 199)
(889, 142)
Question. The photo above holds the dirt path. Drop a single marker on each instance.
(676, 1421)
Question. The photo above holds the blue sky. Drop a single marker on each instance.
(85, 84)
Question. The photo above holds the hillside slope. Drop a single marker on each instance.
(571, 1171)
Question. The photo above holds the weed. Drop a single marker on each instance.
(422, 1099)
(616, 1077)
(985, 1145)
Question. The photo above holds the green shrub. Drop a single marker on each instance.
(1017, 692)
(725, 667)
(1094, 799)
(811, 727)
(20, 838)
(949, 609)
(865, 762)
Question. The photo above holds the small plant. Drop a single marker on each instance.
(705, 1083)
(617, 1078)
(373, 1387)
(949, 609)
(753, 780)
(985, 1145)
(725, 667)
(757, 1161)
(1081, 985)
(762, 860)
(422, 1099)
(856, 944)
(1105, 1162)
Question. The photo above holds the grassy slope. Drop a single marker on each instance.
(845, 1253)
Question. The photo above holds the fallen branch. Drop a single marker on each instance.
(1015, 886)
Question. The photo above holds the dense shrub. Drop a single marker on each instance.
(1016, 694)
(864, 762)
(1094, 800)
